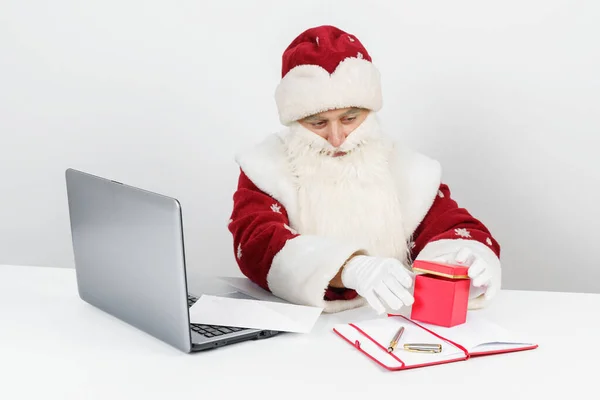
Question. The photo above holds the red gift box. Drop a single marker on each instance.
(441, 293)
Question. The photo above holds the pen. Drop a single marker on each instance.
(423, 347)
(394, 341)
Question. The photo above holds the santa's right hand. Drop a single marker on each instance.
(383, 282)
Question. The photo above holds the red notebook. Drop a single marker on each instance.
(476, 337)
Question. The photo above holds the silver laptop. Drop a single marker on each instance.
(130, 262)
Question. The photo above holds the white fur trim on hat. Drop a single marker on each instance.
(309, 89)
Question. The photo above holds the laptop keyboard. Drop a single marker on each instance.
(213, 330)
(191, 300)
(210, 331)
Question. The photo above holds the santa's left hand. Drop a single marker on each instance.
(485, 278)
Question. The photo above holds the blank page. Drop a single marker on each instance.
(479, 334)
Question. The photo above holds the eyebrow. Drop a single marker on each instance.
(351, 111)
(315, 118)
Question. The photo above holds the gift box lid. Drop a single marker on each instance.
(451, 271)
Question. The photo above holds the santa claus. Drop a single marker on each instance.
(331, 212)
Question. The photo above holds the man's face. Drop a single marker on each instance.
(335, 125)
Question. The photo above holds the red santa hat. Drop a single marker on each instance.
(325, 68)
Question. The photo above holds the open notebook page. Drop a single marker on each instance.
(479, 335)
(382, 331)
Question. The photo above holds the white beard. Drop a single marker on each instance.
(353, 197)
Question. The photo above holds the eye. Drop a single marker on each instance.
(349, 119)
(319, 124)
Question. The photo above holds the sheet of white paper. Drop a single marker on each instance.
(246, 286)
(258, 314)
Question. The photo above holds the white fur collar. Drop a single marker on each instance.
(418, 177)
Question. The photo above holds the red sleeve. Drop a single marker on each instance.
(445, 220)
(260, 228)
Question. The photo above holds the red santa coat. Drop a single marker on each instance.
(298, 267)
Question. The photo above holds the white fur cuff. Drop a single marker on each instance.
(309, 89)
(303, 268)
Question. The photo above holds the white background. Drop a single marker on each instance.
(161, 94)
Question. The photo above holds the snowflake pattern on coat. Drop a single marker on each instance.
(276, 208)
(462, 232)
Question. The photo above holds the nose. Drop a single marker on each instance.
(336, 135)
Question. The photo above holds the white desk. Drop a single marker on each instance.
(55, 346)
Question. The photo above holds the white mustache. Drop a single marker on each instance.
(361, 136)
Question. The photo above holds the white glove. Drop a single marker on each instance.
(485, 278)
(381, 281)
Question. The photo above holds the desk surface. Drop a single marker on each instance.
(55, 346)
